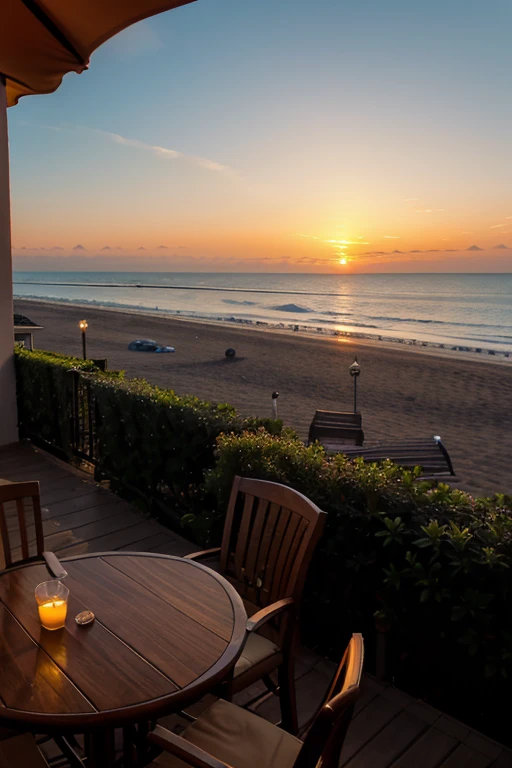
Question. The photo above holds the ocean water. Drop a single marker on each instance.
(473, 311)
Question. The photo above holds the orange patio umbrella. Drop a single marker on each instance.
(40, 41)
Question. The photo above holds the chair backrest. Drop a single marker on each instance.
(324, 739)
(270, 535)
(21, 526)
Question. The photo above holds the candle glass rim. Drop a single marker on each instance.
(60, 592)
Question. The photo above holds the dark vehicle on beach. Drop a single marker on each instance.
(147, 345)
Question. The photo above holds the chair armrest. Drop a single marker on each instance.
(184, 749)
(267, 613)
(204, 553)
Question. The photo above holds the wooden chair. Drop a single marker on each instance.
(20, 514)
(227, 736)
(270, 534)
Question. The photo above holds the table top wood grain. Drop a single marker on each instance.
(167, 630)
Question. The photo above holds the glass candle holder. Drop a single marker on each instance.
(52, 604)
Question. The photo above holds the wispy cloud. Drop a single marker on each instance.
(391, 237)
(139, 40)
(421, 251)
(496, 226)
(339, 243)
(423, 210)
(165, 152)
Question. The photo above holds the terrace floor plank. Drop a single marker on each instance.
(464, 757)
(112, 540)
(428, 751)
(366, 726)
(391, 742)
(389, 730)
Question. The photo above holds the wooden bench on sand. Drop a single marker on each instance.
(428, 453)
(336, 430)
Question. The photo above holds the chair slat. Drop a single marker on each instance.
(38, 522)
(260, 517)
(275, 548)
(22, 534)
(228, 526)
(284, 552)
(292, 555)
(243, 537)
(5, 537)
(266, 541)
(23, 528)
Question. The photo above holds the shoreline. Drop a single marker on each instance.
(400, 395)
(381, 341)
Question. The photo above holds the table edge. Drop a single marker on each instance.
(176, 700)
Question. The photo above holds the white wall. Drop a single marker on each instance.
(8, 415)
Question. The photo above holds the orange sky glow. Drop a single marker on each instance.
(351, 140)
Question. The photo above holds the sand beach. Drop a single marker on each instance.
(402, 391)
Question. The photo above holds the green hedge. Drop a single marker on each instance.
(425, 565)
(45, 395)
(153, 445)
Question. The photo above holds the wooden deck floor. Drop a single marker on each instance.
(389, 730)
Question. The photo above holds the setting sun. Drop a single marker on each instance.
(343, 261)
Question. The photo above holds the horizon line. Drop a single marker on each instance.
(234, 272)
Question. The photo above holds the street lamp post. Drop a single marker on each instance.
(355, 370)
(83, 325)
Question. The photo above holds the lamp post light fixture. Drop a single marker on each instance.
(355, 370)
(83, 325)
(275, 395)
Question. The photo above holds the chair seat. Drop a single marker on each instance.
(21, 751)
(257, 651)
(239, 738)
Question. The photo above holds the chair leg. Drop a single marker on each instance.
(69, 747)
(287, 696)
(270, 684)
(129, 758)
(100, 749)
(225, 690)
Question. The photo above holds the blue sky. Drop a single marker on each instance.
(374, 120)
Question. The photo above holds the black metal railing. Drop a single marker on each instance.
(83, 418)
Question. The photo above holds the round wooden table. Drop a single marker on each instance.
(167, 630)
